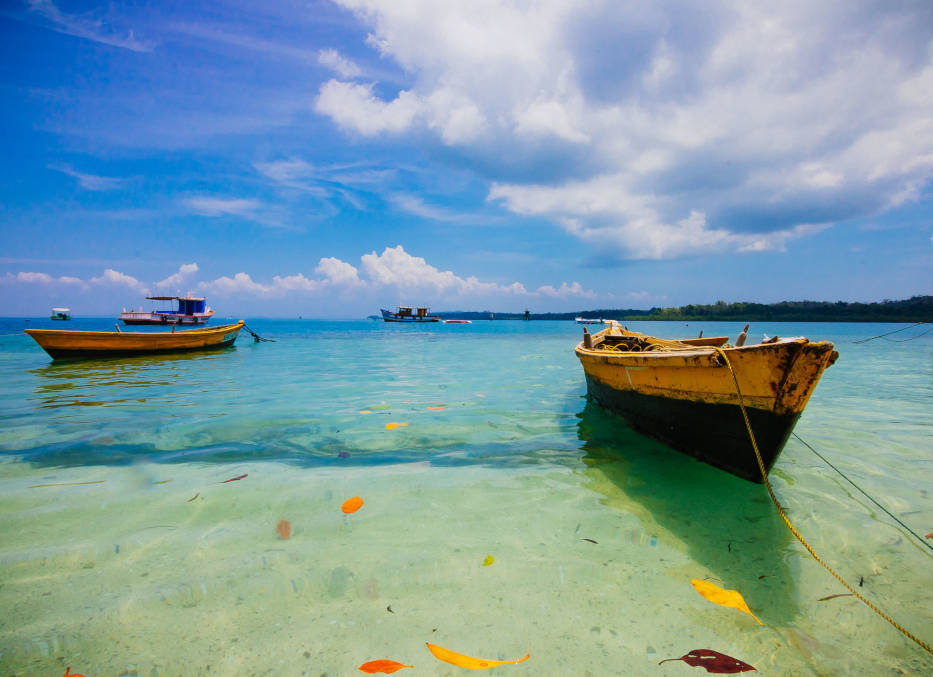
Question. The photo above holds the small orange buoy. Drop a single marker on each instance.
(69, 673)
(352, 504)
(284, 527)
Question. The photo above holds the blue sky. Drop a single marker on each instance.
(324, 159)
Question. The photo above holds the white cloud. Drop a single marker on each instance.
(185, 271)
(338, 273)
(668, 130)
(342, 66)
(116, 278)
(241, 283)
(88, 27)
(41, 278)
(90, 181)
(215, 206)
(574, 289)
(356, 108)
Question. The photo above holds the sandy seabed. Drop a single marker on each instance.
(164, 569)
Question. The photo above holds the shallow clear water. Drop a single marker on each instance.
(122, 551)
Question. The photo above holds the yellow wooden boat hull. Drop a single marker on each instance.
(682, 393)
(61, 343)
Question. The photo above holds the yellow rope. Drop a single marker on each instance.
(764, 475)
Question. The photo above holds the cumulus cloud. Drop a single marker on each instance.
(342, 66)
(574, 289)
(395, 272)
(356, 108)
(397, 268)
(185, 271)
(663, 131)
(115, 278)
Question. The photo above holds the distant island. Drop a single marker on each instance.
(914, 309)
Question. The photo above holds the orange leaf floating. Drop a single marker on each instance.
(352, 504)
(365, 411)
(284, 527)
(383, 665)
(393, 426)
(467, 662)
(716, 595)
(436, 408)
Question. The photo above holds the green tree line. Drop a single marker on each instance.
(914, 309)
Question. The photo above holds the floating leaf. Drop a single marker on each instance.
(284, 527)
(193, 497)
(352, 504)
(436, 408)
(716, 595)
(841, 594)
(365, 411)
(467, 662)
(489, 560)
(383, 665)
(380, 406)
(392, 426)
(713, 661)
(235, 479)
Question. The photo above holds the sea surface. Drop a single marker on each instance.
(143, 501)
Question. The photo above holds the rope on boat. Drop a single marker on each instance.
(864, 493)
(793, 529)
(872, 338)
(257, 336)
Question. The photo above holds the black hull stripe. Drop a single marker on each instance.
(714, 433)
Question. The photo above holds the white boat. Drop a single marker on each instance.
(189, 310)
(586, 320)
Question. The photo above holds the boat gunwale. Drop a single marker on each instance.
(183, 332)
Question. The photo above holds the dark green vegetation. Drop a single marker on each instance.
(914, 309)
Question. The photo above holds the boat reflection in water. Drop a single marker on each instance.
(727, 526)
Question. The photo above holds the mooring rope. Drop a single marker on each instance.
(864, 493)
(257, 336)
(872, 338)
(793, 529)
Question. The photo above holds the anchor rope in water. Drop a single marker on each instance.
(864, 493)
(764, 475)
(257, 336)
(872, 338)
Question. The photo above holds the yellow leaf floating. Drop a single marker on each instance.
(716, 595)
(489, 560)
(467, 662)
(393, 426)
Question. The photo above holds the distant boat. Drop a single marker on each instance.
(405, 314)
(682, 392)
(586, 320)
(60, 314)
(65, 343)
(189, 310)
(458, 322)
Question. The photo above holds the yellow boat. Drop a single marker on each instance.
(63, 343)
(682, 392)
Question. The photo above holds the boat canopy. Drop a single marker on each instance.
(187, 305)
(61, 310)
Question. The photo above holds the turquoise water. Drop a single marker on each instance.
(123, 551)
